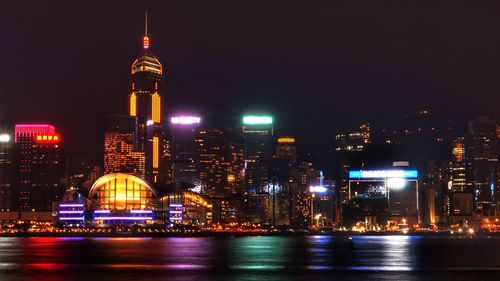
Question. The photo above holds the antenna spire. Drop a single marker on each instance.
(146, 24)
(145, 41)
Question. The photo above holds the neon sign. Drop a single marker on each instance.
(185, 120)
(257, 120)
(47, 138)
(317, 189)
(380, 174)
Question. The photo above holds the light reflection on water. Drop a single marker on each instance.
(246, 258)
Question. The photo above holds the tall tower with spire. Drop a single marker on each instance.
(145, 103)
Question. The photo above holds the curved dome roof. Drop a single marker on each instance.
(117, 177)
(147, 62)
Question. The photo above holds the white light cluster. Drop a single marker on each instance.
(396, 183)
(4, 138)
(317, 189)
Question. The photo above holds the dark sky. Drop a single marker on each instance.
(318, 66)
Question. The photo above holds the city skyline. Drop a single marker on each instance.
(276, 140)
(208, 76)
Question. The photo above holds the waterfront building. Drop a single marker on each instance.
(378, 197)
(282, 179)
(483, 135)
(124, 199)
(221, 172)
(322, 203)
(303, 177)
(40, 167)
(121, 199)
(187, 208)
(71, 211)
(258, 140)
(8, 176)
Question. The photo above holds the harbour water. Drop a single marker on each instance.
(251, 258)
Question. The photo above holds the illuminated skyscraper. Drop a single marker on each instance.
(258, 138)
(283, 168)
(145, 103)
(462, 173)
(221, 162)
(485, 158)
(7, 174)
(185, 160)
(286, 150)
(39, 168)
(120, 155)
(221, 170)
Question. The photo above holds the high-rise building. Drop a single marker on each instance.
(433, 193)
(120, 153)
(460, 207)
(459, 165)
(220, 161)
(221, 172)
(322, 203)
(283, 168)
(7, 174)
(40, 169)
(285, 149)
(258, 139)
(301, 198)
(485, 159)
(185, 159)
(145, 103)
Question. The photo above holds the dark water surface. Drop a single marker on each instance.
(251, 258)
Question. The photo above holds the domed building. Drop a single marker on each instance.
(119, 198)
(122, 198)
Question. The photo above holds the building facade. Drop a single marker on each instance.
(40, 167)
(146, 104)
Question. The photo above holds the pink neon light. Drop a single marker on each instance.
(33, 129)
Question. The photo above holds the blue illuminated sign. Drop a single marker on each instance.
(381, 174)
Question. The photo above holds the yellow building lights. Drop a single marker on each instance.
(156, 107)
(156, 152)
(133, 104)
(286, 140)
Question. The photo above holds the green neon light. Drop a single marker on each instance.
(257, 120)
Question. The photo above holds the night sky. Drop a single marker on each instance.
(317, 66)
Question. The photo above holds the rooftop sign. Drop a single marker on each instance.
(257, 120)
(378, 174)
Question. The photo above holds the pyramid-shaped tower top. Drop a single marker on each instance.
(146, 62)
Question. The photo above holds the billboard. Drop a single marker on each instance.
(382, 174)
